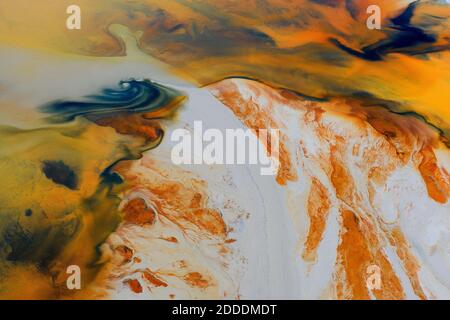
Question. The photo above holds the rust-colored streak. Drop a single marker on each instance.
(341, 179)
(170, 239)
(195, 279)
(391, 287)
(137, 212)
(358, 250)
(190, 207)
(134, 285)
(354, 255)
(153, 279)
(318, 209)
(255, 118)
(410, 263)
(135, 125)
(207, 219)
(437, 182)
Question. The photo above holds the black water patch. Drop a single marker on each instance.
(403, 37)
(370, 56)
(405, 17)
(110, 177)
(60, 173)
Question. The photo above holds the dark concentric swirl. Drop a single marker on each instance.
(131, 96)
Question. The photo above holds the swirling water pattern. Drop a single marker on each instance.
(131, 96)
